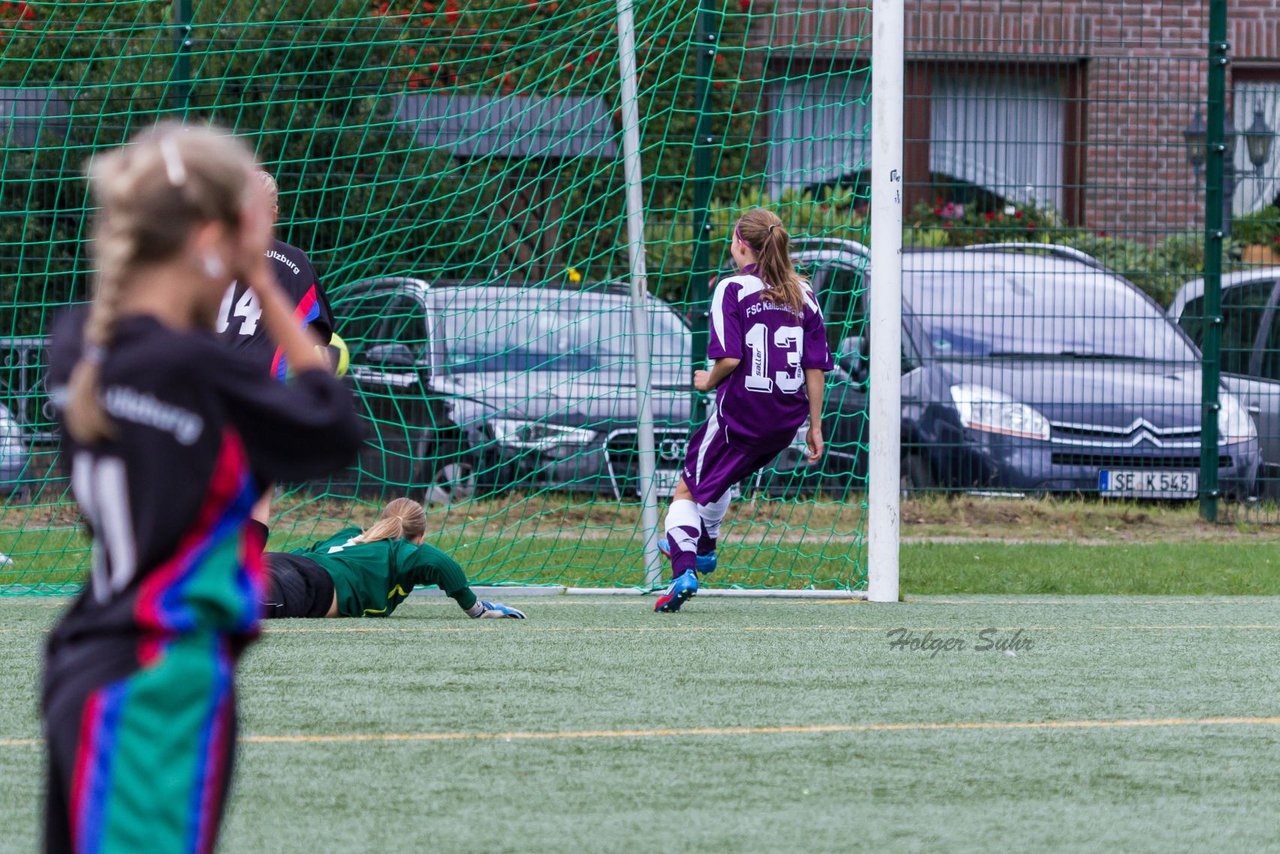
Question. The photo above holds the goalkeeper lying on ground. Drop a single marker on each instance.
(368, 573)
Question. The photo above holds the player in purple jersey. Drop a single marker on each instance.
(770, 356)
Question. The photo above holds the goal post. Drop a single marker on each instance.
(514, 208)
(884, 474)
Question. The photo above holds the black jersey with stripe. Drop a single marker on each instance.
(200, 429)
(240, 317)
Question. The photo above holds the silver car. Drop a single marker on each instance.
(1250, 351)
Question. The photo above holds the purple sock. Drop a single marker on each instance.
(683, 558)
(706, 544)
(683, 528)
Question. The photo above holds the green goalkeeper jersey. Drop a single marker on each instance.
(371, 579)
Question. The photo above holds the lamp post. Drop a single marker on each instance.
(1259, 139)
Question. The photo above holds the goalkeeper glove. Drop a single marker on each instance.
(496, 611)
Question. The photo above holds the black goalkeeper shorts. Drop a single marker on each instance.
(296, 587)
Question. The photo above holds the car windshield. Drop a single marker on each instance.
(562, 331)
(999, 313)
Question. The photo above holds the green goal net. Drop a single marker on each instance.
(455, 171)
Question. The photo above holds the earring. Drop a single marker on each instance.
(213, 266)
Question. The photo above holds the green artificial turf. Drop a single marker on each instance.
(626, 730)
(1227, 568)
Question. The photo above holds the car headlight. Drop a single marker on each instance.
(1234, 423)
(990, 411)
(10, 432)
(536, 435)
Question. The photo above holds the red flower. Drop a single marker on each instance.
(937, 211)
(591, 58)
(568, 66)
(990, 216)
(744, 5)
(1100, 233)
(1017, 215)
(451, 12)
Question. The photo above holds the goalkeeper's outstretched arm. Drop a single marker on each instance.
(430, 566)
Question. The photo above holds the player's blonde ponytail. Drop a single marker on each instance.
(151, 195)
(763, 233)
(401, 519)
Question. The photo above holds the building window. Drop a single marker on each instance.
(986, 135)
(1255, 191)
(821, 131)
(1002, 133)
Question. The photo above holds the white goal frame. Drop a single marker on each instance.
(885, 296)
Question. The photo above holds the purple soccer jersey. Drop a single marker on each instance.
(764, 401)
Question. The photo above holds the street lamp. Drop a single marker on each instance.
(1258, 138)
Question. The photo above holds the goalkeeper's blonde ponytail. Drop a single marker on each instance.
(402, 519)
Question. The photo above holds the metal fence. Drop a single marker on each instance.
(1134, 142)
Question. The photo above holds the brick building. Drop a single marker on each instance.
(1080, 105)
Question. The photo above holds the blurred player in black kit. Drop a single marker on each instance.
(170, 437)
(239, 317)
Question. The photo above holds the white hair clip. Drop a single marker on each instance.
(173, 162)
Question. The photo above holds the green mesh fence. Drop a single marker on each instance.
(454, 170)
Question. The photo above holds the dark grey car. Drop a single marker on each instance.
(486, 388)
(1032, 368)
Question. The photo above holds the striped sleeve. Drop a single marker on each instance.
(726, 322)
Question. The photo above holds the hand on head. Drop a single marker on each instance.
(256, 221)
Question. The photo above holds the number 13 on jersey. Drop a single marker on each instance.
(787, 348)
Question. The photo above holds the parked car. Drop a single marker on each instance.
(479, 387)
(1250, 351)
(13, 454)
(1033, 368)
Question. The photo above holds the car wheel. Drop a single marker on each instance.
(448, 473)
(916, 477)
(451, 483)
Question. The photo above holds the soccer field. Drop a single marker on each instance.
(1127, 723)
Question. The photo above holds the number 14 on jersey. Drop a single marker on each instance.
(246, 308)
